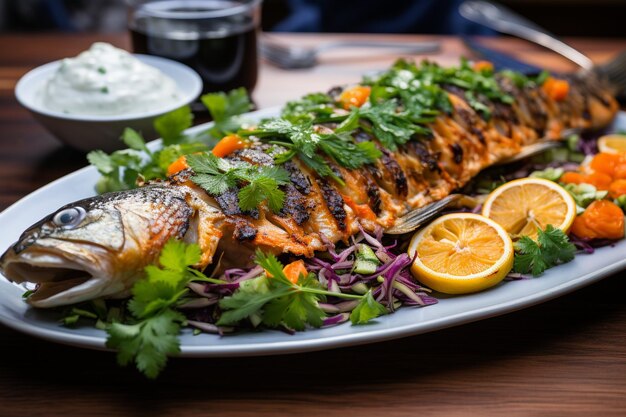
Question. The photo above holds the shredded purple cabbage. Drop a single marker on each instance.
(391, 283)
(589, 245)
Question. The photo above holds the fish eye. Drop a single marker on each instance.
(69, 217)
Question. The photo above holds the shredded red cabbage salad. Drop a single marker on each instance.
(391, 283)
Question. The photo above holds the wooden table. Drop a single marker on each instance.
(564, 357)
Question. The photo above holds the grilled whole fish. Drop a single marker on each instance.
(99, 246)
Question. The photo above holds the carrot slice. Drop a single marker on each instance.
(480, 66)
(294, 270)
(556, 89)
(572, 178)
(617, 188)
(354, 97)
(605, 163)
(228, 145)
(177, 166)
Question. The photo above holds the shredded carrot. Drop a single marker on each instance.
(229, 144)
(177, 166)
(354, 97)
(601, 220)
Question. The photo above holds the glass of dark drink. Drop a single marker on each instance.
(217, 38)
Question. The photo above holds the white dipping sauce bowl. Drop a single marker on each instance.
(86, 132)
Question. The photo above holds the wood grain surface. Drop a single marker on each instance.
(563, 357)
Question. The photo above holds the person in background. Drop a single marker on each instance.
(379, 16)
(65, 15)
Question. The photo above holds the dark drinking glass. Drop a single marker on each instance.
(217, 38)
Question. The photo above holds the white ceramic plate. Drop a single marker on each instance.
(450, 311)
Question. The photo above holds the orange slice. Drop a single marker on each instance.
(612, 143)
(522, 206)
(461, 253)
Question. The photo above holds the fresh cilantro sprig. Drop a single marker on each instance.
(256, 183)
(391, 127)
(551, 248)
(303, 141)
(152, 333)
(272, 299)
(122, 169)
(309, 108)
(225, 109)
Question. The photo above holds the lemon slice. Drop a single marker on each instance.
(522, 206)
(612, 143)
(461, 253)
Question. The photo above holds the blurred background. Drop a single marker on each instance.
(602, 18)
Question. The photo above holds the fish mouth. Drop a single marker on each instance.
(59, 280)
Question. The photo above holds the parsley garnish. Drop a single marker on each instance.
(391, 127)
(367, 309)
(303, 141)
(551, 248)
(122, 169)
(258, 183)
(224, 109)
(309, 108)
(152, 335)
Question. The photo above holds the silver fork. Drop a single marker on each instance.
(504, 20)
(294, 57)
(414, 219)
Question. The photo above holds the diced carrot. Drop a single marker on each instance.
(229, 144)
(572, 178)
(177, 166)
(605, 163)
(480, 66)
(620, 171)
(354, 97)
(601, 220)
(617, 188)
(599, 180)
(556, 89)
(294, 270)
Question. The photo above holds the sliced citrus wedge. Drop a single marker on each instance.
(522, 206)
(612, 143)
(461, 253)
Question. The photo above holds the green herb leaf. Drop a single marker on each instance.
(154, 333)
(259, 183)
(367, 309)
(309, 108)
(551, 248)
(295, 309)
(148, 342)
(134, 140)
(172, 125)
(224, 109)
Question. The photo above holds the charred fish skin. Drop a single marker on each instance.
(97, 246)
(108, 240)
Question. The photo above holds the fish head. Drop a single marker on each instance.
(95, 247)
